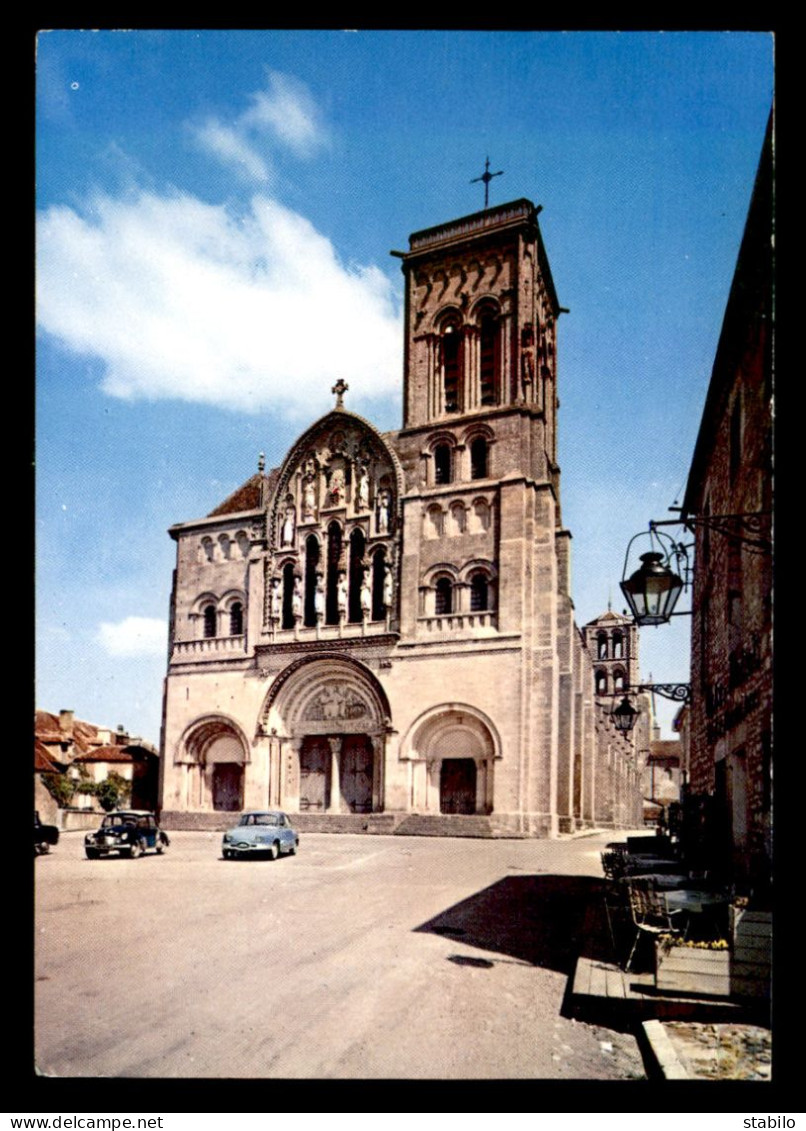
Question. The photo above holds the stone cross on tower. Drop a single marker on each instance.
(487, 176)
(340, 388)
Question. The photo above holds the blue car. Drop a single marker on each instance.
(261, 832)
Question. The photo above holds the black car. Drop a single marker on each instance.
(127, 832)
(44, 836)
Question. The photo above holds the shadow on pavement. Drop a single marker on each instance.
(544, 920)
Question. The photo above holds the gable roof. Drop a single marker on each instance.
(249, 495)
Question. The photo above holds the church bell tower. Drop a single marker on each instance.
(481, 313)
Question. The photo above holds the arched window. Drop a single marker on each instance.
(378, 574)
(442, 464)
(489, 358)
(452, 366)
(443, 602)
(601, 646)
(236, 619)
(210, 620)
(618, 681)
(311, 562)
(288, 595)
(479, 453)
(333, 555)
(458, 519)
(479, 517)
(434, 521)
(357, 546)
(601, 683)
(479, 593)
(618, 646)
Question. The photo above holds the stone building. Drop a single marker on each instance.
(382, 626)
(85, 752)
(728, 504)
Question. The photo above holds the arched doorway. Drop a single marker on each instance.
(457, 785)
(330, 716)
(215, 754)
(452, 751)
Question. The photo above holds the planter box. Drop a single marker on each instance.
(693, 970)
(751, 938)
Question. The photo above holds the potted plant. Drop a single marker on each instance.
(693, 967)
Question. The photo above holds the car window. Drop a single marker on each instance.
(266, 819)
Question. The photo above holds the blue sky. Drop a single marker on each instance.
(215, 213)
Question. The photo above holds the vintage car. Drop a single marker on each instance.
(128, 832)
(44, 836)
(263, 832)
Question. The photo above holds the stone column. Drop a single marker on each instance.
(335, 778)
(379, 773)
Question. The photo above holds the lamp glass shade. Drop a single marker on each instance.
(652, 591)
(624, 715)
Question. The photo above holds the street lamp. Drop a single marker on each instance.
(652, 590)
(624, 716)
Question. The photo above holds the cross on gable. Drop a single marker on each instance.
(340, 388)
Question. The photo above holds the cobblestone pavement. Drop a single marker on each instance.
(722, 1052)
(361, 957)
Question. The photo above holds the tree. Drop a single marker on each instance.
(112, 791)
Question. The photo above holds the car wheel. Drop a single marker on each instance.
(274, 851)
(136, 849)
(160, 846)
(43, 848)
(293, 849)
(92, 853)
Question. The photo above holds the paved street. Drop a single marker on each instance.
(361, 957)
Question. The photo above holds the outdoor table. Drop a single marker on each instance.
(657, 865)
(694, 900)
(702, 906)
(661, 880)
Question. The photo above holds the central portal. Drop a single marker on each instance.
(314, 775)
(457, 786)
(336, 773)
(356, 773)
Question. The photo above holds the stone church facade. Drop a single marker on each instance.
(382, 626)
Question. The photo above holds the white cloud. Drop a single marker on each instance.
(134, 636)
(285, 114)
(231, 147)
(289, 112)
(182, 299)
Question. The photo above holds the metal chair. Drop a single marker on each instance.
(612, 865)
(650, 914)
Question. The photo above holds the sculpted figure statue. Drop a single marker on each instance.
(387, 586)
(275, 599)
(341, 595)
(363, 490)
(289, 523)
(337, 487)
(319, 598)
(383, 512)
(365, 596)
(309, 497)
(296, 599)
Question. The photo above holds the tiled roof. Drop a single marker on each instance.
(247, 496)
(105, 754)
(42, 759)
(664, 750)
(47, 730)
